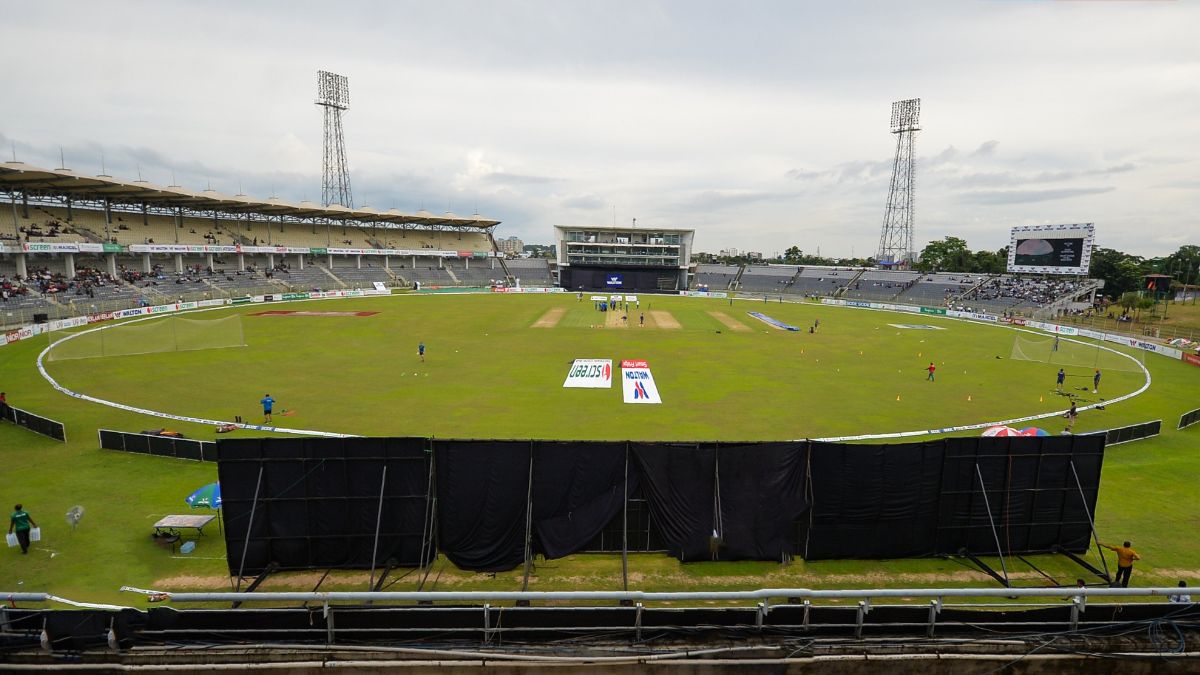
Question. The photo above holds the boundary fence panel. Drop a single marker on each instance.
(161, 446)
(36, 423)
(1187, 419)
(1133, 432)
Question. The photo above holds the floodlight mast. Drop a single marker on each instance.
(896, 239)
(333, 95)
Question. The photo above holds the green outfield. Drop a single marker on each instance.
(494, 368)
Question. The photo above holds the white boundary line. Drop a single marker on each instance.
(328, 434)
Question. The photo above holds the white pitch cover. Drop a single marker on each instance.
(637, 384)
(589, 374)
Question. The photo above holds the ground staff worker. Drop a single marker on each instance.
(1125, 557)
(21, 522)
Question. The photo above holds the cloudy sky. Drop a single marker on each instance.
(762, 125)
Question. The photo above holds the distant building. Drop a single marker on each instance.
(512, 246)
(754, 255)
(729, 253)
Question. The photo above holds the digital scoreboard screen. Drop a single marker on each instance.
(1051, 249)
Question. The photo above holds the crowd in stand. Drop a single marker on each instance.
(53, 229)
(1035, 291)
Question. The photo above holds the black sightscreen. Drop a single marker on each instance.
(984, 495)
(318, 500)
(325, 503)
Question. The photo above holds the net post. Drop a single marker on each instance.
(528, 525)
(378, 520)
(1091, 522)
(992, 522)
(625, 525)
(249, 526)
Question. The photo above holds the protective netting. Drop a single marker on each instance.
(169, 334)
(1077, 351)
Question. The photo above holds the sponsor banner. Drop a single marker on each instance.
(318, 251)
(976, 316)
(102, 316)
(379, 286)
(42, 247)
(1143, 345)
(589, 374)
(614, 280)
(937, 311)
(295, 296)
(464, 254)
(112, 248)
(631, 298)
(637, 383)
(531, 289)
(1094, 334)
(211, 303)
(73, 322)
(1193, 359)
(833, 301)
(915, 326)
(599, 298)
(242, 300)
(183, 248)
(857, 303)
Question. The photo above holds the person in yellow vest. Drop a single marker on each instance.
(1125, 557)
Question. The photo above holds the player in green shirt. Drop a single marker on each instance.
(20, 522)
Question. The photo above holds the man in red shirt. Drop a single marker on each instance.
(931, 368)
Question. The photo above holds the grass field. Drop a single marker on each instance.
(494, 369)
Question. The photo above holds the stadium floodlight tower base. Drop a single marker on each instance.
(333, 95)
(896, 239)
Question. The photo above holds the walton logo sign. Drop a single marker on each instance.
(637, 383)
(589, 374)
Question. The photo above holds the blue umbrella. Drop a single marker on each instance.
(208, 496)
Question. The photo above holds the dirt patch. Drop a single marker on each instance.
(664, 319)
(612, 319)
(551, 318)
(730, 322)
(191, 581)
(1178, 574)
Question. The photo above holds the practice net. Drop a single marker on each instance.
(169, 334)
(1079, 352)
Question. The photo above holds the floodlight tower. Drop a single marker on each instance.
(896, 240)
(333, 94)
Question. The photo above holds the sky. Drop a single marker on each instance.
(762, 125)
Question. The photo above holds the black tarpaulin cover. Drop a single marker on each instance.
(872, 501)
(482, 490)
(752, 516)
(762, 497)
(677, 481)
(578, 488)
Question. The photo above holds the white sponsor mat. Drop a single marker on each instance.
(589, 374)
(637, 383)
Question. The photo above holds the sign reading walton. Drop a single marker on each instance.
(590, 374)
(637, 384)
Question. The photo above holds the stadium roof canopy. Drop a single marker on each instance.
(21, 177)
